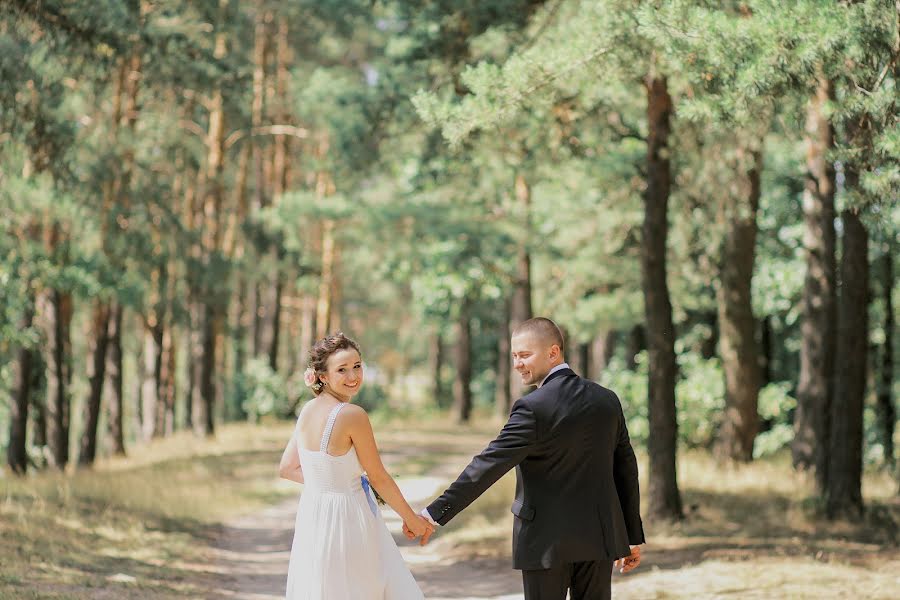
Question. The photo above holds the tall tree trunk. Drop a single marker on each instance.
(150, 404)
(436, 356)
(815, 388)
(193, 401)
(39, 408)
(167, 378)
(280, 166)
(102, 312)
(276, 319)
(502, 395)
(55, 316)
(521, 309)
(260, 46)
(158, 333)
(325, 305)
(307, 327)
(843, 488)
(99, 344)
(582, 359)
(462, 385)
(116, 404)
(664, 497)
(887, 414)
(737, 342)
(604, 346)
(16, 452)
(215, 302)
(207, 371)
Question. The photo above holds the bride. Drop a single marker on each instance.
(342, 549)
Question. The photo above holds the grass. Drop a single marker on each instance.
(138, 527)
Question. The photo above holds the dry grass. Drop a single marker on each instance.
(138, 527)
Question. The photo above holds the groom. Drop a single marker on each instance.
(577, 505)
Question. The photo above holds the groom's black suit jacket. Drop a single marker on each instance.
(577, 495)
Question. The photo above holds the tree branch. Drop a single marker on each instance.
(236, 136)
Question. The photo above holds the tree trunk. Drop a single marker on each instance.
(207, 370)
(815, 388)
(280, 167)
(16, 452)
(307, 327)
(462, 385)
(887, 414)
(843, 489)
(158, 334)
(324, 306)
(193, 409)
(55, 315)
(582, 359)
(502, 395)
(215, 302)
(664, 497)
(604, 346)
(436, 355)
(99, 343)
(521, 309)
(167, 379)
(37, 399)
(711, 341)
(116, 404)
(637, 343)
(737, 341)
(276, 320)
(153, 409)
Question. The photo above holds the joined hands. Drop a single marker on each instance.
(418, 527)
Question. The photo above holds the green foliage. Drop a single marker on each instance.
(776, 406)
(261, 391)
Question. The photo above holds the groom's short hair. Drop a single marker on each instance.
(544, 328)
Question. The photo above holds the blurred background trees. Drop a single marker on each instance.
(703, 195)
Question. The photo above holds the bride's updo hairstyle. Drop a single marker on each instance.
(321, 350)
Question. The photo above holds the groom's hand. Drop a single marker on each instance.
(631, 561)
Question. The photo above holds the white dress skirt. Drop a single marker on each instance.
(342, 549)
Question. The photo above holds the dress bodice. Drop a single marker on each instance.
(324, 472)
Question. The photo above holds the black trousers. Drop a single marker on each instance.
(586, 580)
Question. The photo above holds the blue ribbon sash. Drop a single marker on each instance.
(367, 488)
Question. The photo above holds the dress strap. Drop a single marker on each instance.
(329, 425)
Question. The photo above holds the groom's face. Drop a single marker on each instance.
(533, 357)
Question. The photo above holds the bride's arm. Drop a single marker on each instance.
(290, 463)
(364, 440)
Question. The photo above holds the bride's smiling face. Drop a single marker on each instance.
(344, 373)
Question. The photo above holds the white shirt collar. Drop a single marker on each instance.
(558, 367)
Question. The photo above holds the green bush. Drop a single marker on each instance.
(775, 407)
(262, 391)
(699, 397)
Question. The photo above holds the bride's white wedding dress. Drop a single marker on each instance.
(342, 549)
